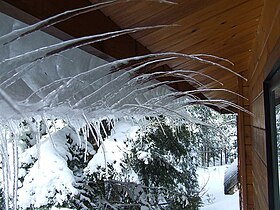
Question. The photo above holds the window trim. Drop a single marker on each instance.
(270, 83)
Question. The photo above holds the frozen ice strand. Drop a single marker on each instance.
(222, 67)
(49, 132)
(16, 34)
(118, 80)
(84, 133)
(216, 102)
(15, 137)
(97, 73)
(105, 159)
(191, 92)
(142, 89)
(104, 130)
(91, 130)
(76, 126)
(161, 126)
(154, 75)
(54, 124)
(80, 77)
(81, 92)
(213, 56)
(38, 144)
(170, 110)
(107, 68)
(53, 85)
(197, 57)
(147, 108)
(4, 149)
(5, 168)
(209, 90)
(186, 77)
(54, 49)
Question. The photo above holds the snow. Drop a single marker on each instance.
(211, 180)
(113, 148)
(49, 173)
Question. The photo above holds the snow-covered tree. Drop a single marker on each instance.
(164, 159)
(216, 136)
(63, 166)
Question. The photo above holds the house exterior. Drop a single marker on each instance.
(247, 32)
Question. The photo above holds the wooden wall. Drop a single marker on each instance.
(264, 56)
(245, 149)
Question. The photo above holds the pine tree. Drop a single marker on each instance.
(164, 160)
(216, 137)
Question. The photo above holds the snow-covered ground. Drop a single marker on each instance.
(211, 180)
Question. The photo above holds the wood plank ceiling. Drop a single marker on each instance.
(223, 28)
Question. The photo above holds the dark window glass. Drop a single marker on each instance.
(272, 116)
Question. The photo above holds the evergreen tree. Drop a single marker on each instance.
(164, 160)
(216, 138)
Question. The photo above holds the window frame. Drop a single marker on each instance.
(270, 84)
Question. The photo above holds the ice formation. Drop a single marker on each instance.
(43, 76)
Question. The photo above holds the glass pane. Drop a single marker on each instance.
(277, 117)
(277, 112)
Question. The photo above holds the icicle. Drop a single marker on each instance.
(54, 124)
(144, 89)
(106, 68)
(15, 163)
(209, 90)
(228, 103)
(213, 56)
(91, 130)
(103, 149)
(16, 34)
(54, 49)
(161, 126)
(86, 143)
(174, 72)
(6, 169)
(129, 85)
(76, 127)
(46, 87)
(38, 143)
(84, 133)
(49, 132)
(105, 159)
(79, 137)
(112, 123)
(104, 130)
(115, 80)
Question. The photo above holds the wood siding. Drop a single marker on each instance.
(245, 151)
(262, 60)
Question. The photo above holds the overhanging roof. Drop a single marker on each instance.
(224, 28)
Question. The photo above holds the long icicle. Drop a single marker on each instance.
(6, 169)
(110, 67)
(43, 117)
(54, 49)
(15, 137)
(16, 34)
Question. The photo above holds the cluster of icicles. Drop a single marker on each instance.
(130, 91)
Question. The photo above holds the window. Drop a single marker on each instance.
(272, 118)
